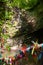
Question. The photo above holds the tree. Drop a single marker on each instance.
(20, 18)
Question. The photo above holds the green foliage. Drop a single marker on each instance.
(4, 36)
(2, 10)
(8, 15)
(9, 4)
(1, 23)
(5, 9)
(8, 48)
(4, 0)
(24, 4)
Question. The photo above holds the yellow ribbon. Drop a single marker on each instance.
(35, 45)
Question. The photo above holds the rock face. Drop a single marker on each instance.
(31, 20)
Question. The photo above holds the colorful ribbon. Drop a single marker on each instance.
(22, 52)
